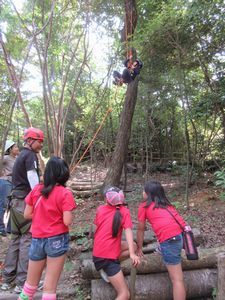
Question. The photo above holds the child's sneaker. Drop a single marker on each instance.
(104, 275)
(3, 233)
(7, 286)
(158, 250)
(22, 296)
(18, 289)
(40, 285)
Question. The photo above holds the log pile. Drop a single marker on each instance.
(152, 281)
(199, 283)
(150, 243)
(85, 189)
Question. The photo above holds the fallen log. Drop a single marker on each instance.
(152, 263)
(149, 237)
(84, 186)
(85, 194)
(199, 283)
(221, 277)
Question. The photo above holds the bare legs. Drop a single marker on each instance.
(118, 281)
(176, 276)
(54, 268)
(120, 285)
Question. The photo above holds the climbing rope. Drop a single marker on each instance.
(92, 140)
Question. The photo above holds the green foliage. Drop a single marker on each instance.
(220, 178)
(191, 219)
(68, 266)
(220, 182)
(214, 293)
(181, 44)
(79, 293)
(177, 204)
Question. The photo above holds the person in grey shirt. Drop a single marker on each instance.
(11, 151)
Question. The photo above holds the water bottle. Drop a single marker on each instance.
(189, 244)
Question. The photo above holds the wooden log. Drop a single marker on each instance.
(152, 263)
(150, 243)
(84, 186)
(85, 194)
(221, 277)
(149, 237)
(199, 283)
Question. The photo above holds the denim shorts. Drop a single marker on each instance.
(53, 246)
(171, 250)
(110, 266)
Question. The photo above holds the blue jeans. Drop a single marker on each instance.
(171, 250)
(5, 189)
(53, 246)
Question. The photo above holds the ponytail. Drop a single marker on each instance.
(116, 222)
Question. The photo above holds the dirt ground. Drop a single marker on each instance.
(206, 212)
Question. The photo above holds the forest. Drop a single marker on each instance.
(57, 59)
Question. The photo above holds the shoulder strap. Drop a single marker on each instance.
(175, 219)
(37, 202)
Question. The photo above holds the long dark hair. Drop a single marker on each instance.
(116, 221)
(56, 172)
(156, 194)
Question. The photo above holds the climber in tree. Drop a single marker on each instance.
(129, 74)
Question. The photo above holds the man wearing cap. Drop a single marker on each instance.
(25, 176)
(11, 151)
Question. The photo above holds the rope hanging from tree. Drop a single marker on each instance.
(92, 140)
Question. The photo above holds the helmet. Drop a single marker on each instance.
(114, 196)
(33, 133)
(8, 145)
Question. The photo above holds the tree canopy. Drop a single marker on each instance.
(180, 97)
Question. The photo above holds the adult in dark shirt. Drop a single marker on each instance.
(25, 176)
(129, 74)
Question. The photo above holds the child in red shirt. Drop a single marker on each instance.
(50, 206)
(110, 221)
(157, 209)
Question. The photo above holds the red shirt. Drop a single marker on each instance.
(163, 224)
(48, 212)
(106, 246)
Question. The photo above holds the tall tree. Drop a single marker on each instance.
(123, 136)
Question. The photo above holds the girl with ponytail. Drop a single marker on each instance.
(110, 221)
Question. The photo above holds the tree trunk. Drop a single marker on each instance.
(152, 263)
(15, 80)
(122, 140)
(199, 283)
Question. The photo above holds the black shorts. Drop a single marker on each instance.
(110, 266)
